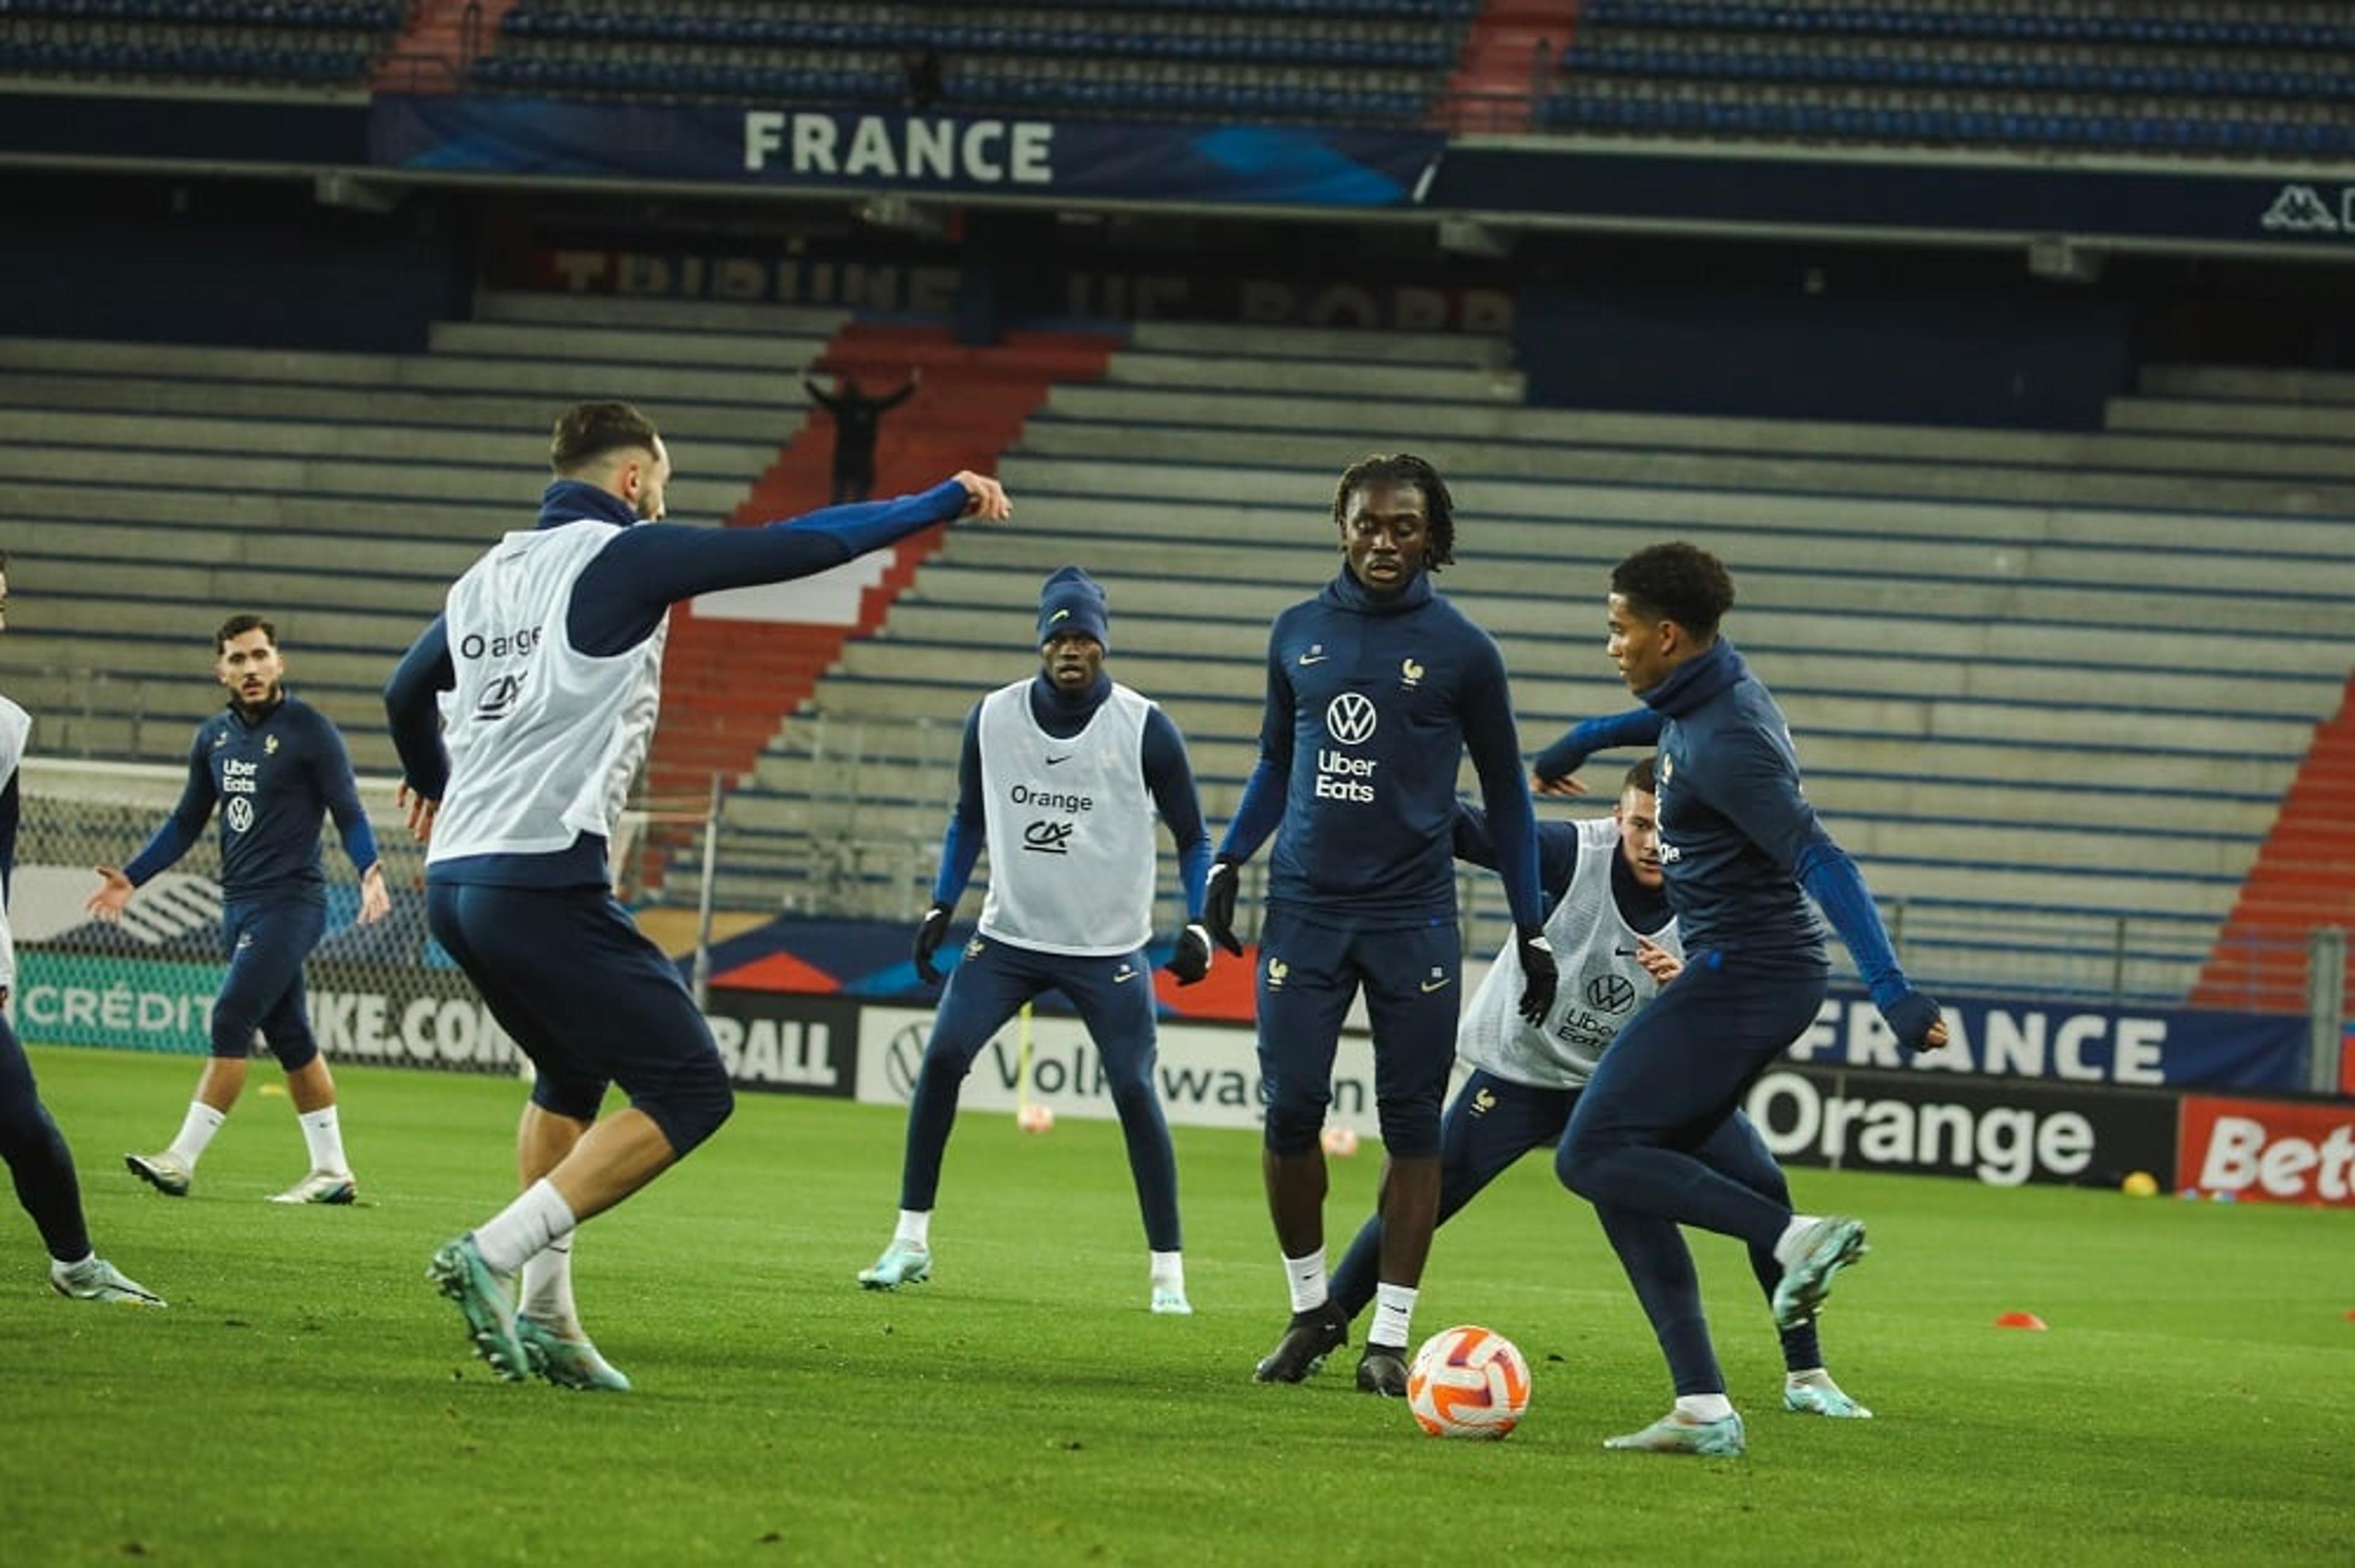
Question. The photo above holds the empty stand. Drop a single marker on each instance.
(2174, 77)
(1999, 649)
(2052, 690)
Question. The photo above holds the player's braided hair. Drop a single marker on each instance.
(1678, 581)
(587, 432)
(1405, 468)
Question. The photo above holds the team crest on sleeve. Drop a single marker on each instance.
(1276, 970)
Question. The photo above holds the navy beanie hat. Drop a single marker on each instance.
(1072, 601)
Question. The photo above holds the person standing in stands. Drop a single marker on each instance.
(39, 1164)
(521, 716)
(1061, 775)
(858, 421)
(273, 764)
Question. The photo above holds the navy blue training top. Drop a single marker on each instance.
(1372, 701)
(617, 603)
(1168, 775)
(1739, 844)
(272, 777)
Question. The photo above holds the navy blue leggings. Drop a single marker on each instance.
(1655, 1144)
(1114, 999)
(38, 1161)
(1492, 1122)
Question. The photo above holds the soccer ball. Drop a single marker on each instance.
(1034, 1117)
(1468, 1382)
(1340, 1142)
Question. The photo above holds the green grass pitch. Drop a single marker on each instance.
(307, 1397)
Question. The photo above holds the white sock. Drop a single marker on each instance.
(915, 1228)
(1306, 1275)
(1700, 1407)
(1393, 1315)
(196, 1132)
(1787, 1245)
(1811, 1377)
(548, 1288)
(1169, 1272)
(325, 1141)
(523, 1227)
(60, 1269)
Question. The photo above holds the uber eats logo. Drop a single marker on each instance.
(1351, 719)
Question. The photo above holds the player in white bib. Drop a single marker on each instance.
(1615, 944)
(1062, 776)
(521, 715)
(40, 1164)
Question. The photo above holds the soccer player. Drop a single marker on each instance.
(1649, 1140)
(273, 764)
(1060, 776)
(38, 1162)
(1376, 688)
(1614, 946)
(547, 662)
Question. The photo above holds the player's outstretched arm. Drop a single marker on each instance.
(1550, 775)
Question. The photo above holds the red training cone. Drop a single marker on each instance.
(2020, 1320)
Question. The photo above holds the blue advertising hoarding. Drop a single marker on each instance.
(978, 155)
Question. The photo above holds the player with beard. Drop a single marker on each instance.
(273, 765)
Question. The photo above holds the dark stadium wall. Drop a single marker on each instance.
(1899, 359)
(228, 263)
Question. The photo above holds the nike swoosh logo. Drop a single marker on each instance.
(1314, 658)
(1066, 757)
(1123, 977)
(1430, 985)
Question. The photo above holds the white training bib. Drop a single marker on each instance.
(544, 740)
(1069, 825)
(1602, 985)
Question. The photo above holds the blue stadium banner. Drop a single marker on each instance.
(1979, 199)
(2075, 1042)
(977, 155)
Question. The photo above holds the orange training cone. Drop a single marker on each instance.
(2020, 1320)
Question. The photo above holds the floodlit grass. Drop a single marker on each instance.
(308, 1399)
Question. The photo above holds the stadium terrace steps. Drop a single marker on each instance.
(969, 407)
(1807, 479)
(2316, 422)
(2336, 387)
(1960, 653)
(2303, 877)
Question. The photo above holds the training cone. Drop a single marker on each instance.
(2020, 1320)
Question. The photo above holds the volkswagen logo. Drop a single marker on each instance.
(1612, 993)
(1350, 718)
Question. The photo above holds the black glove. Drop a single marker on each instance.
(1192, 959)
(1538, 977)
(928, 942)
(1218, 906)
(1910, 1018)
